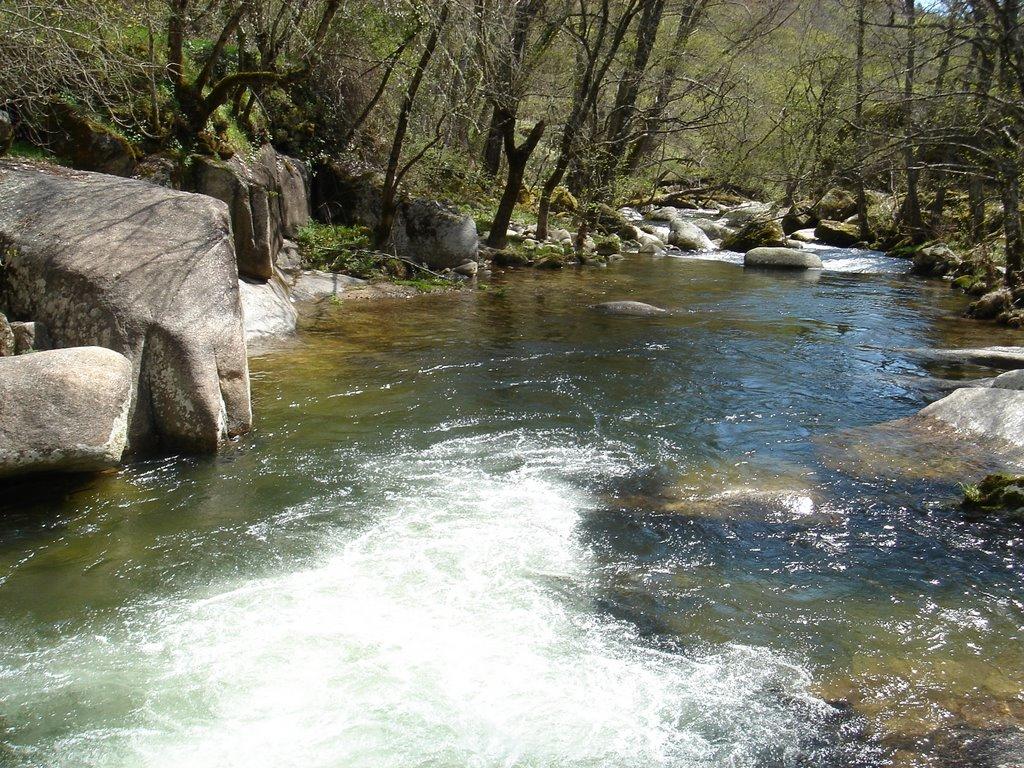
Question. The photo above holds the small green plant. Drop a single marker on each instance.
(334, 248)
(426, 284)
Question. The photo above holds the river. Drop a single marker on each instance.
(492, 528)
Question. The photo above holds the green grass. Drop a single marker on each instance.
(341, 249)
(26, 151)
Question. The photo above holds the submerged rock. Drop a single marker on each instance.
(628, 308)
(65, 410)
(991, 305)
(1007, 358)
(781, 258)
(146, 271)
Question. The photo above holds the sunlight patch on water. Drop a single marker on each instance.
(458, 629)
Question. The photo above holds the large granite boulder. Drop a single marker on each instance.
(146, 271)
(759, 233)
(837, 233)
(435, 234)
(687, 236)
(835, 205)
(64, 411)
(799, 216)
(989, 413)
(744, 214)
(267, 308)
(267, 199)
(88, 145)
(781, 258)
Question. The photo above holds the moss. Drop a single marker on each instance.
(998, 493)
(426, 284)
(760, 232)
(562, 200)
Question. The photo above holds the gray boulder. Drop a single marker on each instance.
(628, 308)
(803, 236)
(6, 132)
(835, 205)
(312, 285)
(837, 233)
(744, 214)
(713, 229)
(781, 258)
(267, 308)
(267, 200)
(64, 411)
(687, 236)
(990, 413)
(434, 234)
(7, 339)
(29, 337)
(1006, 358)
(1009, 380)
(146, 271)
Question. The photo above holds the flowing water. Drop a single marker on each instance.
(495, 529)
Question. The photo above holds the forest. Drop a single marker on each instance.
(914, 109)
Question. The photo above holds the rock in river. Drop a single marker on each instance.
(837, 233)
(65, 410)
(687, 236)
(145, 271)
(781, 258)
(628, 308)
(991, 413)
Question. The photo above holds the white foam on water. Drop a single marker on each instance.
(458, 629)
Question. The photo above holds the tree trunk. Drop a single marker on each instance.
(858, 119)
(911, 213)
(389, 197)
(517, 158)
(1010, 188)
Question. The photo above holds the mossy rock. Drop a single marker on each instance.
(563, 201)
(606, 246)
(837, 234)
(87, 144)
(998, 493)
(550, 261)
(759, 233)
(509, 258)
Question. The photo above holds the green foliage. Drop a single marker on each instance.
(340, 249)
(996, 493)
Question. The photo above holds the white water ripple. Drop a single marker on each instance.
(456, 630)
